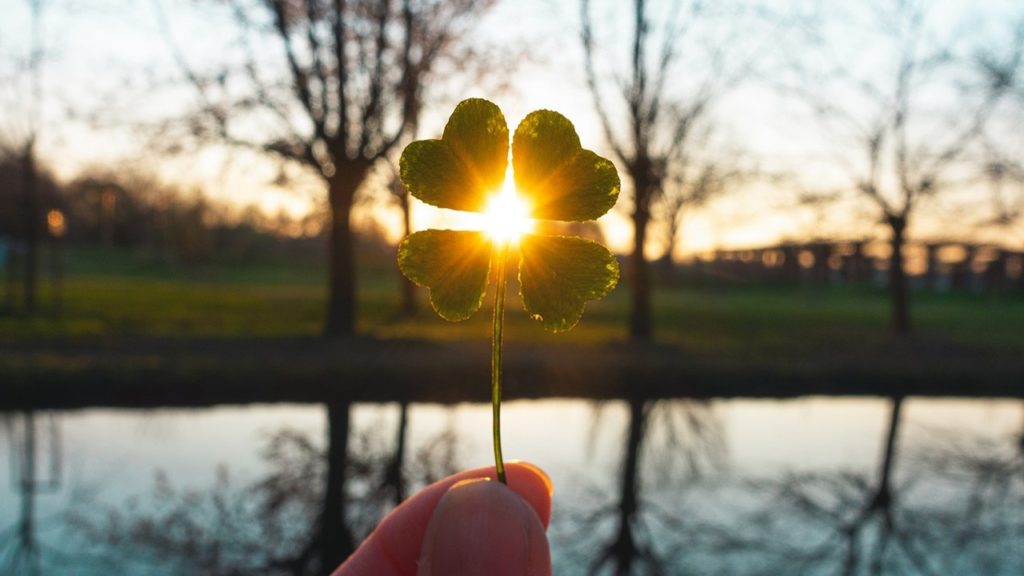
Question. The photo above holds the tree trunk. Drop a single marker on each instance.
(899, 289)
(931, 275)
(11, 266)
(407, 287)
(32, 222)
(640, 326)
(336, 542)
(666, 265)
(341, 289)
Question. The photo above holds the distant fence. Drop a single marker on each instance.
(936, 266)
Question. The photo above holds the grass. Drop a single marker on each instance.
(130, 331)
(114, 295)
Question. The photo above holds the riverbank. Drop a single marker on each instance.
(160, 372)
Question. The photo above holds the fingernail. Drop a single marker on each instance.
(540, 474)
(467, 482)
(483, 527)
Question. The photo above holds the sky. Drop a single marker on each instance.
(103, 58)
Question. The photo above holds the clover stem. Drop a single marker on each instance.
(501, 255)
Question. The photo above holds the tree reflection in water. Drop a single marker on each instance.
(947, 504)
(957, 509)
(676, 442)
(36, 468)
(276, 525)
(953, 505)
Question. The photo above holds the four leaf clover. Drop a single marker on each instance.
(554, 174)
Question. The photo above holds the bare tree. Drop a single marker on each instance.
(1003, 150)
(407, 306)
(1005, 177)
(348, 89)
(662, 116)
(905, 119)
(18, 140)
(692, 184)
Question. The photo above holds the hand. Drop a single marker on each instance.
(467, 524)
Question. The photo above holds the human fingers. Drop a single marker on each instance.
(483, 528)
(394, 546)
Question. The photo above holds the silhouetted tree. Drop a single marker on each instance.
(19, 137)
(354, 71)
(691, 186)
(906, 117)
(407, 306)
(1005, 177)
(25, 188)
(128, 208)
(652, 120)
(1003, 150)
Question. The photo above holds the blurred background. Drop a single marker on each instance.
(210, 364)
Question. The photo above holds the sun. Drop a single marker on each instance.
(507, 216)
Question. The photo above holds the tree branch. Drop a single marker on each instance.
(300, 77)
(587, 36)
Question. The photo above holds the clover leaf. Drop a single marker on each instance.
(558, 275)
(558, 179)
(454, 264)
(468, 161)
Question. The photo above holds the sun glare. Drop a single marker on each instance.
(507, 216)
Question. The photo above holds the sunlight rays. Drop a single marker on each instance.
(507, 216)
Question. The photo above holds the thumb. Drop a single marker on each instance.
(482, 528)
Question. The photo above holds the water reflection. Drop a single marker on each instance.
(317, 499)
(833, 523)
(661, 492)
(957, 508)
(691, 442)
(333, 528)
(35, 465)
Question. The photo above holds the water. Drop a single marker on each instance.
(729, 487)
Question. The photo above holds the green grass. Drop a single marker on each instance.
(119, 295)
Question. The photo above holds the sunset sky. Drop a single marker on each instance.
(109, 68)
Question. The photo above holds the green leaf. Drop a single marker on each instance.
(560, 179)
(468, 163)
(454, 265)
(558, 275)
